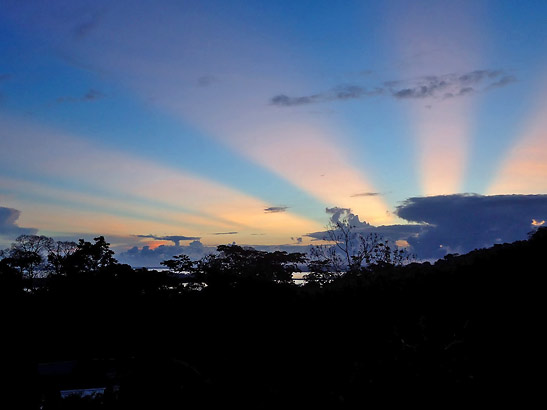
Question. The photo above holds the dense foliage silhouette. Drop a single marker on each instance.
(233, 329)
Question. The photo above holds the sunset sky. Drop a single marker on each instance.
(223, 121)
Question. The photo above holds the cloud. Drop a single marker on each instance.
(206, 80)
(8, 223)
(286, 101)
(437, 225)
(90, 95)
(225, 233)
(152, 258)
(89, 23)
(391, 232)
(275, 209)
(365, 194)
(432, 86)
(463, 222)
(502, 82)
(174, 238)
(340, 92)
(450, 85)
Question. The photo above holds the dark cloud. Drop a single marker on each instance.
(502, 82)
(286, 101)
(453, 223)
(225, 233)
(206, 80)
(8, 223)
(477, 76)
(365, 194)
(90, 95)
(433, 86)
(390, 232)
(340, 92)
(449, 85)
(89, 22)
(152, 258)
(463, 222)
(174, 238)
(421, 91)
(275, 209)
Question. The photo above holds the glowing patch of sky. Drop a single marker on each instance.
(55, 96)
(218, 110)
(437, 39)
(186, 86)
(203, 206)
(524, 167)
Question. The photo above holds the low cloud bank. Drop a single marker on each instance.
(463, 222)
(9, 226)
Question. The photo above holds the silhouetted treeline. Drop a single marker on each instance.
(233, 329)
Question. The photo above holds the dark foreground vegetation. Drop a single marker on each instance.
(239, 332)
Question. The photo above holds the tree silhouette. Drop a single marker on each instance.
(179, 264)
(233, 265)
(26, 254)
(350, 251)
(58, 254)
(90, 257)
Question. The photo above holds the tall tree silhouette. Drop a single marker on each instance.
(350, 251)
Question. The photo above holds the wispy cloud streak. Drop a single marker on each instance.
(432, 86)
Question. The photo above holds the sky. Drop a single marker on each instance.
(182, 125)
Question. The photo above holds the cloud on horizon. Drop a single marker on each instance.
(462, 222)
(275, 209)
(147, 257)
(8, 223)
(391, 232)
(434, 86)
(152, 258)
(457, 223)
(174, 238)
(365, 194)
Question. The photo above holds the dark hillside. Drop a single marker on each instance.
(468, 324)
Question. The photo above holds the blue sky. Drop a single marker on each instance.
(197, 118)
